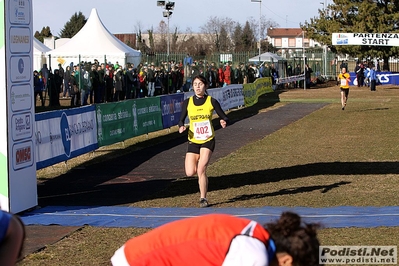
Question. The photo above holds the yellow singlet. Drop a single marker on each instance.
(343, 78)
(201, 128)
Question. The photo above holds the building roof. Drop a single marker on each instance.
(284, 32)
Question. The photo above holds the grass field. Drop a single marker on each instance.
(329, 158)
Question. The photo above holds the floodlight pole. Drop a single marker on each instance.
(168, 44)
(325, 46)
(304, 59)
(260, 16)
(167, 6)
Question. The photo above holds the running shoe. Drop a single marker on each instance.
(203, 203)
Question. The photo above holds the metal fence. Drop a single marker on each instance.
(217, 58)
(319, 61)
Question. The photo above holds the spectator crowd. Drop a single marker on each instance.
(88, 83)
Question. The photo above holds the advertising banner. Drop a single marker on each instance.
(65, 134)
(252, 91)
(229, 97)
(384, 78)
(375, 39)
(114, 122)
(291, 79)
(232, 96)
(171, 109)
(4, 191)
(18, 185)
(123, 120)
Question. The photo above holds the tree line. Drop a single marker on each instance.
(220, 34)
(356, 16)
(223, 35)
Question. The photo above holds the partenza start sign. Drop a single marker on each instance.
(377, 39)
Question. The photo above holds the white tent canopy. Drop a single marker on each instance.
(94, 41)
(39, 54)
(267, 57)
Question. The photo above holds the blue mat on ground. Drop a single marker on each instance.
(333, 217)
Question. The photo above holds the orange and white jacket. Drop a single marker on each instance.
(215, 239)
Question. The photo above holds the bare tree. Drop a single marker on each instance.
(224, 40)
(174, 39)
(138, 27)
(264, 25)
(187, 41)
(141, 45)
(162, 31)
(213, 27)
(151, 38)
(229, 24)
(212, 30)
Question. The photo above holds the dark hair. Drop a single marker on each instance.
(202, 78)
(297, 239)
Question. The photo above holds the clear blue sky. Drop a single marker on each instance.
(123, 16)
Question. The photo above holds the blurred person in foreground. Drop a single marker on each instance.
(12, 236)
(221, 239)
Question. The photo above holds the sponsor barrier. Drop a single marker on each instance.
(291, 79)
(127, 119)
(171, 109)
(229, 97)
(252, 91)
(62, 135)
(384, 78)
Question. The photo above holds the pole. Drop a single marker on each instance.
(168, 70)
(260, 37)
(325, 46)
(167, 6)
(168, 38)
(304, 59)
(325, 61)
(260, 30)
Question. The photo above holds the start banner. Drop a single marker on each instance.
(377, 39)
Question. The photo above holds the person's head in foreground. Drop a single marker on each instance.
(12, 236)
(220, 239)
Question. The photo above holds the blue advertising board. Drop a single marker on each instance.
(171, 109)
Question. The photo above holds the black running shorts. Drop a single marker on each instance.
(195, 148)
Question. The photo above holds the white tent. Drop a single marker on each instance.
(39, 54)
(267, 57)
(94, 41)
